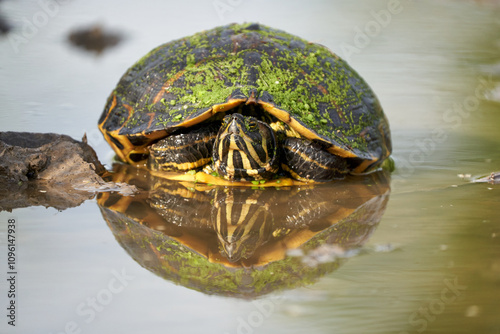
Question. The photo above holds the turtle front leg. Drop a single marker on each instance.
(183, 151)
(309, 161)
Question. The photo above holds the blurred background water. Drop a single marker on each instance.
(435, 65)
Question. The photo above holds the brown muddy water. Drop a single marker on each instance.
(418, 252)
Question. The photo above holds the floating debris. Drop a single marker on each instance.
(4, 26)
(465, 177)
(472, 311)
(384, 248)
(94, 38)
(327, 254)
(119, 187)
(493, 94)
(493, 178)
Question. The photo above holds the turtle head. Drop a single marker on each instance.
(245, 149)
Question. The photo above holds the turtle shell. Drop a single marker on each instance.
(187, 81)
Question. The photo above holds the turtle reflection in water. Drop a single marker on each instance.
(234, 241)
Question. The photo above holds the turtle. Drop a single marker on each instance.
(252, 103)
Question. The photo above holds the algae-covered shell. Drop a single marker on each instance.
(187, 81)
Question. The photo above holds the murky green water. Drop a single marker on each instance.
(432, 263)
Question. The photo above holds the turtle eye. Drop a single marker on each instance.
(252, 124)
(225, 120)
